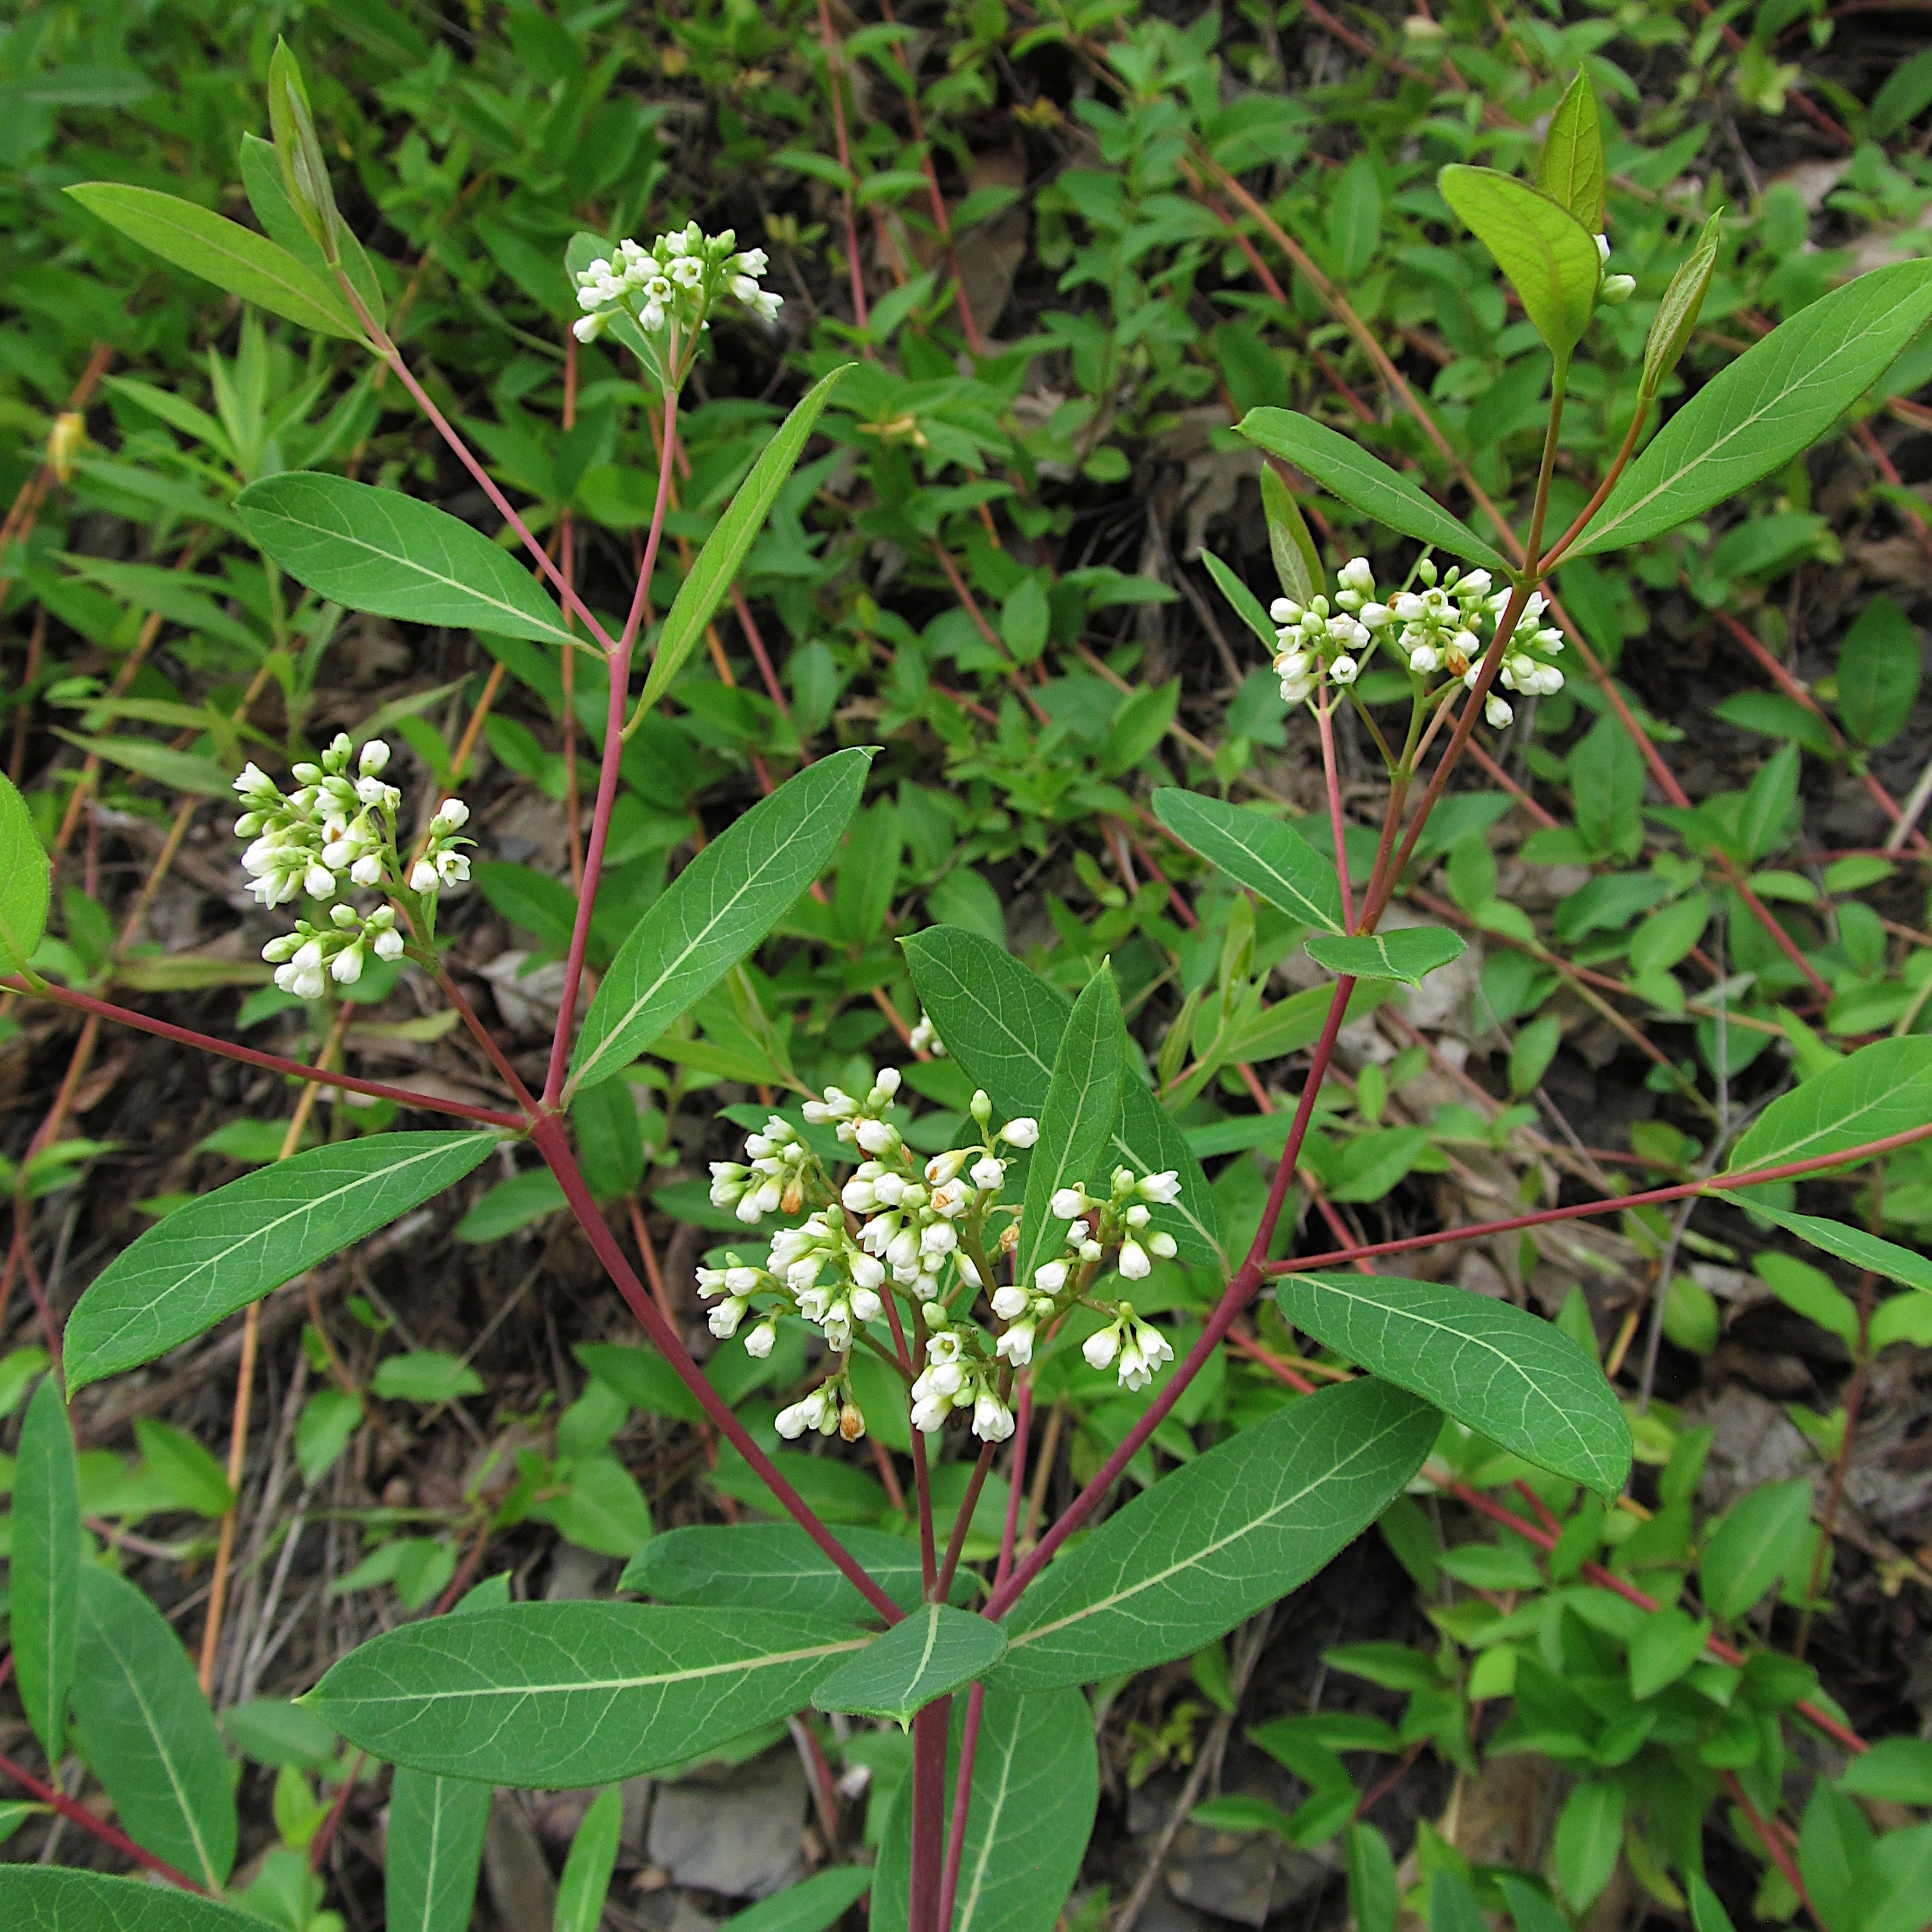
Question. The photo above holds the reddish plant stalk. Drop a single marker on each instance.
(98, 1828)
(929, 1815)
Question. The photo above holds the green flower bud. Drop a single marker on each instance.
(304, 173)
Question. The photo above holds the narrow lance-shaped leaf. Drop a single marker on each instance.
(1247, 605)
(435, 1850)
(1258, 852)
(1776, 399)
(1296, 562)
(1036, 1788)
(1551, 259)
(716, 910)
(1521, 1382)
(549, 1695)
(147, 1733)
(216, 1255)
(379, 550)
(45, 1596)
(269, 197)
(1881, 1090)
(1863, 1250)
(1408, 953)
(710, 576)
(1346, 470)
(815, 1906)
(586, 1883)
(1677, 314)
(773, 1566)
(927, 1655)
(1083, 1103)
(220, 251)
(1002, 1024)
(1237, 1527)
(53, 1898)
(25, 881)
(1570, 169)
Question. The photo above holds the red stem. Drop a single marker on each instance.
(99, 1827)
(929, 1814)
(618, 667)
(272, 1062)
(546, 1136)
(1775, 1848)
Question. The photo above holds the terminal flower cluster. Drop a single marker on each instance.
(337, 833)
(669, 289)
(925, 1231)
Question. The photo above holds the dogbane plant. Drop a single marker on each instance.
(964, 1273)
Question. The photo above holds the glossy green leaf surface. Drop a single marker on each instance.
(549, 1695)
(1408, 953)
(43, 1598)
(716, 910)
(929, 1653)
(1881, 1090)
(1776, 399)
(1235, 1529)
(147, 1733)
(25, 881)
(1003, 1025)
(381, 551)
(53, 1898)
(724, 551)
(1346, 470)
(1262, 853)
(1083, 1105)
(1521, 1382)
(1550, 258)
(220, 251)
(435, 1850)
(231, 1247)
(773, 1566)
(1036, 1788)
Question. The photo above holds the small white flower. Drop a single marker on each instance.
(452, 815)
(1162, 1189)
(1016, 1343)
(1134, 1263)
(1009, 1303)
(388, 945)
(758, 1342)
(318, 882)
(1497, 711)
(1101, 1346)
(1068, 1204)
(1050, 1277)
(422, 876)
(1021, 1132)
(992, 1419)
(1603, 248)
(988, 1172)
(1355, 574)
(1344, 670)
(346, 968)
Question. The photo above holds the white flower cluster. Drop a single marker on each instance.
(338, 830)
(923, 1230)
(1438, 626)
(668, 288)
(1140, 1349)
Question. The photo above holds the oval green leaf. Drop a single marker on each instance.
(381, 551)
(1346, 470)
(1881, 1090)
(1551, 259)
(1854, 1245)
(147, 1733)
(1250, 1520)
(1776, 399)
(435, 1850)
(818, 1904)
(1569, 170)
(1258, 852)
(52, 1898)
(1408, 953)
(926, 1655)
(773, 1566)
(231, 1247)
(716, 910)
(1521, 1382)
(25, 881)
(551, 1696)
(220, 251)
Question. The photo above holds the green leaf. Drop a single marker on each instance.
(1296, 563)
(716, 910)
(45, 1593)
(1569, 170)
(1004, 1023)
(1076, 1125)
(1036, 1789)
(1250, 1520)
(428, 1375)
(1834, 1852)
(381, 551)
(435, 1850)
(53, 1898)
(1893, 1890)
(586, 1883)
(220, 251)
(928, 1654)
(1666, 1645)
(184, 1471)
(1373, 1893)
(1760, 1536)
(603, 1510)
(710, 576)
(1905, 95)
(1896, 1769)
(1707, 1914)
(773, 1566)
(1409, 953)
(146, 1732)
(1589, 1835)
(644, 1379)
(1346, 470)
(1881, 1090)
(1247, 605)
(1520, 1381)
(1850, 1244)
(547, 1696)
(231, 1247)
(1452, 1905)
(1550, 258)
(1677, 314)
(1879, 670)
(269, 197)
(1776, 399)
(185, 771)
(818, 1904)
(273, 1731)
(1258, 852)
(25, 879)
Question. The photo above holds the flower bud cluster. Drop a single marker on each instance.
(1324, 640)
(441, 863)
(669, 288)
(957, 1376)
(1140, 1349)
(306, 958)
